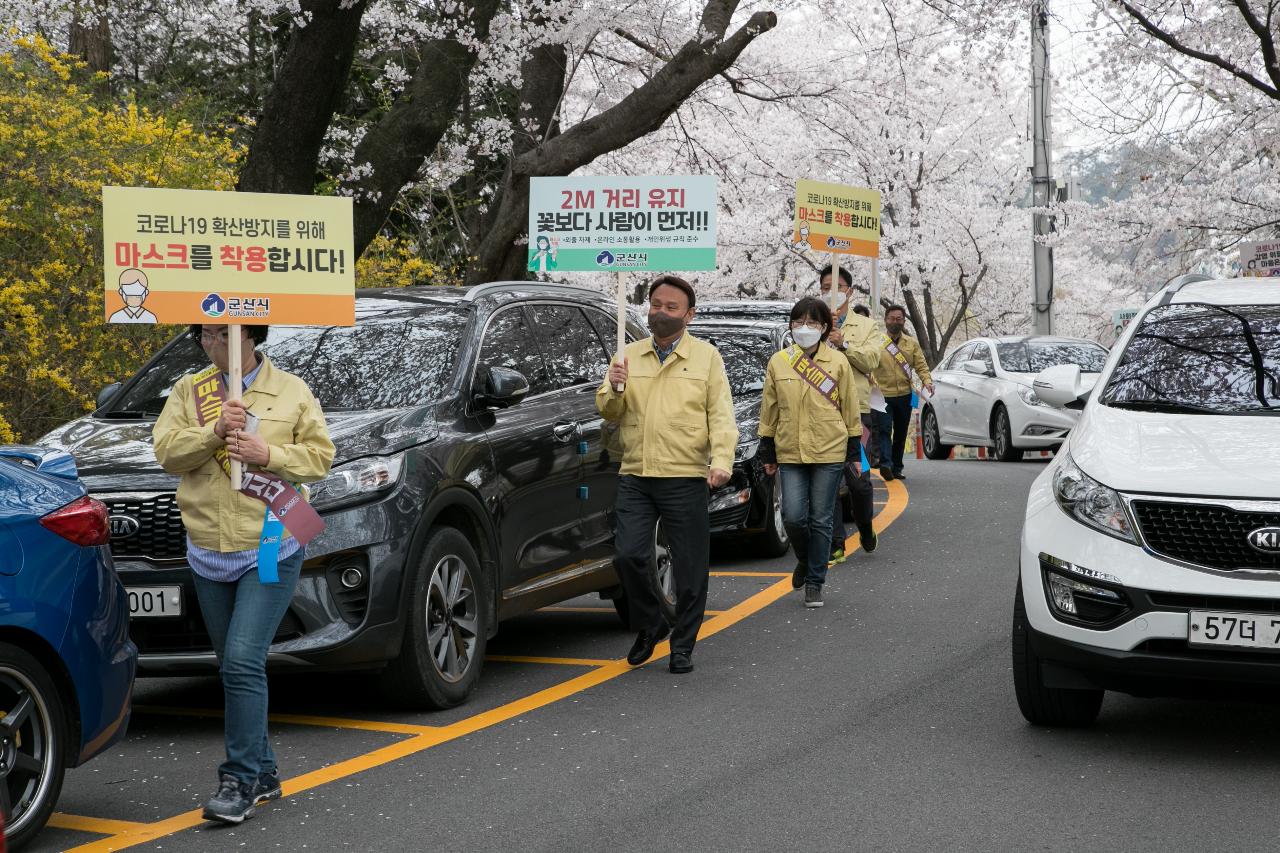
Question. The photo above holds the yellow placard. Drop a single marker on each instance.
(836, 218)
(193, 256)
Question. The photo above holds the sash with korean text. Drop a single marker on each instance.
(815, 376)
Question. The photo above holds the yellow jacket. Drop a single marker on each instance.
(677, 417)
(889, 376)
(291, 423)
(863, 345)
(805, 427)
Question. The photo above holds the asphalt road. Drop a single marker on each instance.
(885, 721)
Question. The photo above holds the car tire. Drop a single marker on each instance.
(931, 437)
(446, 630)
(775, 542)
(1045, 706)
(1002, 435)
(661, 580)
(32, 744)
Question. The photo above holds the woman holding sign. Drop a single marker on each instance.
(810, 421)
(245, 546)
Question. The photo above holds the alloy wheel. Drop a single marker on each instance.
(452, 619)
(26, 748)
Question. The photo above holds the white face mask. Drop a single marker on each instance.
(835, 300)
(806, 337)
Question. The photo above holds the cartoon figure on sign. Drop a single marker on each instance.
(802, 239)
(133, 292)
(545, 258)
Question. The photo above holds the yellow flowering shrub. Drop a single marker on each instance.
(58, 147)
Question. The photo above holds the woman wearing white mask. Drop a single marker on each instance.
(809, 421)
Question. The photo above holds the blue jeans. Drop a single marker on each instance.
(808, 500)
(242, 616)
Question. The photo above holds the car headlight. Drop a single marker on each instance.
(1030, 397)
(746, 450)
(1090, 502)
(357, 481)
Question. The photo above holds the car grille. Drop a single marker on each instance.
(159, 535)
(187, 634)
(1207, 535)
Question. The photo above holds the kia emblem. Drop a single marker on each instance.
(1265, 539)
(124, 525)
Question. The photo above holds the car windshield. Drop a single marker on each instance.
(1035, 356)
(393, 357)
(1201, 358)
(746, 357)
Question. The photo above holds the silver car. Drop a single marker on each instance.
(983, 396)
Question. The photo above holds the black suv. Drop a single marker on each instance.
(474, 480)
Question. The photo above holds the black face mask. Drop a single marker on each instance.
(894, 328)
(664, 325)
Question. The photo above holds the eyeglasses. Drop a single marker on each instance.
(212, 336)
(808, 324)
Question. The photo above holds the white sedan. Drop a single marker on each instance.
(983, 396)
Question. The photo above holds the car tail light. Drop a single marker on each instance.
(83, 521)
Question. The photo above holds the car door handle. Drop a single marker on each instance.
(564, 431)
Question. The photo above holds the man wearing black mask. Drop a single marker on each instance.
(678, 436)
(900, 360)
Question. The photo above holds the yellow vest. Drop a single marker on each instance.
(676, 417)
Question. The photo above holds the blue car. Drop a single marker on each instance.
(66, 662)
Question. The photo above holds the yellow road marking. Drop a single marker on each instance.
(134, 834)
(297, 720)
(750, 574)
(99, 825)
(560, 661)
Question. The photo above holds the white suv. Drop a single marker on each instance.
(1150, 558)
(982, 395)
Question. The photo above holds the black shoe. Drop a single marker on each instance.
(870, 541)
(798, 575)
(642, 649)
(886, 473)
(232, 804)
(680, 663)
(268, 788)
(898, 475)
(812, 595)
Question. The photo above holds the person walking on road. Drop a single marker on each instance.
(678, 439)
(275, 428)
(809, 425)
(900, 357)
(856, 336)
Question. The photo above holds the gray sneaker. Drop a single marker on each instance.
(812, 595)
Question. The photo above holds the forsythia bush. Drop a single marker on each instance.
(58, 147)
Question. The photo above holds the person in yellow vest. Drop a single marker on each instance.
(678, 438)
(900, 358)
(856, 335)
(809, 423)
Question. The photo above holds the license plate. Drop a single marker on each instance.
(1240, 630)
(147, 601)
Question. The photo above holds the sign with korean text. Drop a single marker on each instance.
(192, 256)
(1121, 318)
(622, 224)
(836, 218)
(1260, 260)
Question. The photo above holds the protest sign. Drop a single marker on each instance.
(837, 219)
(193, 256)
(622, 224)
(1260, 260)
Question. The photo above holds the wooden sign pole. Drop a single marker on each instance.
(235, 391)
(622, 321)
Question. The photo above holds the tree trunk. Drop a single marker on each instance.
(300, 105)
(90, 39)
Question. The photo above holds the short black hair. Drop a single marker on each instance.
(845, 275)
(257, 334)
(862, 309)
(678, 283)
(895, 307)
(812, 308)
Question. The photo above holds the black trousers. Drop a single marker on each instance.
(900, 412)
(681, 504)
(863, 495)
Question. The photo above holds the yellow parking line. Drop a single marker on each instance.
(297, 720)
(133, 834)
(560, 661)
(98, 825)
(750, 574)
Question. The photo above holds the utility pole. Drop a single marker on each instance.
(1041, 181)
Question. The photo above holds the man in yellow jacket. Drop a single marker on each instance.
(857, 336)
(900, 357)
(678, 437)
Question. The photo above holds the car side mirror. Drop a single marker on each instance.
(1060, 386)
(503, 388)
(977, 367)
(105, 395)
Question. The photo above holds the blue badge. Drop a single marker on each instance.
(269, 548)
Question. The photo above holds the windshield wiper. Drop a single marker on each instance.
(128, 414)
(1164, 406)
